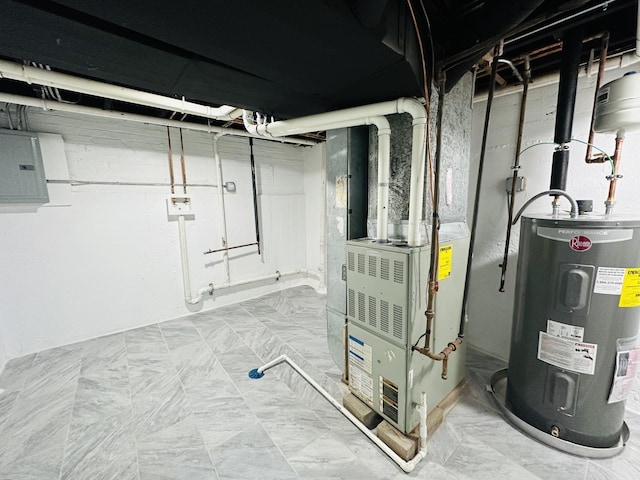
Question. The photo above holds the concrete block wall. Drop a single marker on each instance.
(98, 259)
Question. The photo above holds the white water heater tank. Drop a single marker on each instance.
(618, 105)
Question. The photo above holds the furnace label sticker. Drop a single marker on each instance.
(361, 385)
(579, 357)
(359, 354)
(609, 281)
(444, 262)
(360, 379)
(630, 294)
(626, 368)
(563, 330)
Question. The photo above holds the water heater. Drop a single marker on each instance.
(576, 316)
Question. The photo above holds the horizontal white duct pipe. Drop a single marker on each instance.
(355, 116)
(39, 76)
(422, 408)
(133, 117)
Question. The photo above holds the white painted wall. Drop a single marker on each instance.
(490, 311)
(101, 259)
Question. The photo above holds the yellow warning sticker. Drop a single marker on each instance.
(444, 262)
(630, 295)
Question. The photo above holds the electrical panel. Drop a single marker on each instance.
(22, 178)
(386, 300)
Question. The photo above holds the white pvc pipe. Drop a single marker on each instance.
(352, 117)
(384, 176)
(133, 117)
(422, 408)
(184, 257)
(222, 215)
(211, 288)
(39, 76)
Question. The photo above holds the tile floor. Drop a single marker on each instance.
(173, 401)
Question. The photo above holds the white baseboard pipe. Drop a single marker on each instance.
(351, 117)
(222, 215)
(39, 76)
(422, 408)
(133, 117)
(211, 288)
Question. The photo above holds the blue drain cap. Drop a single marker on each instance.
(255, 374)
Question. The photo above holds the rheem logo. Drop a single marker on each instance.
(580, 243)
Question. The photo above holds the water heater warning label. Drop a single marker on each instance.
(630, 294)
(579, 357)
(444, 261)
(609, 281)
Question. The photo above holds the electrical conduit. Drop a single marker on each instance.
(422, 408)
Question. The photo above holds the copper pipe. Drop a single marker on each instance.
(171, 177)
(600, 158)
(613, 178)
(182, 164)
(443, 356)
(516, 168)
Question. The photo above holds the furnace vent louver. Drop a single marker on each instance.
(398, 321)
(380, 281)
(373, 264)
(384, 316)
(373, 317)
(352, 303)
(398, 271)
(384, 269)
(361, 310)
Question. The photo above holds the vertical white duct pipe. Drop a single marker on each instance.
(384, 176)
(222, 216)
(352, 117)
(418, 156)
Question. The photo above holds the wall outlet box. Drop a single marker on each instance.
(521, 184)
(179, 205)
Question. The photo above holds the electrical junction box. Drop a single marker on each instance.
(386, 300)
(179, 204)
(22, 177)
(521, 184)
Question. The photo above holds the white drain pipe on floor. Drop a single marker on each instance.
(351, 117)
(422, 408)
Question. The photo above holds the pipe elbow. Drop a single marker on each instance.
(249, 125)
(381, 123)
(414, 108)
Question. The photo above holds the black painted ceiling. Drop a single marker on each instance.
(282, 57)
